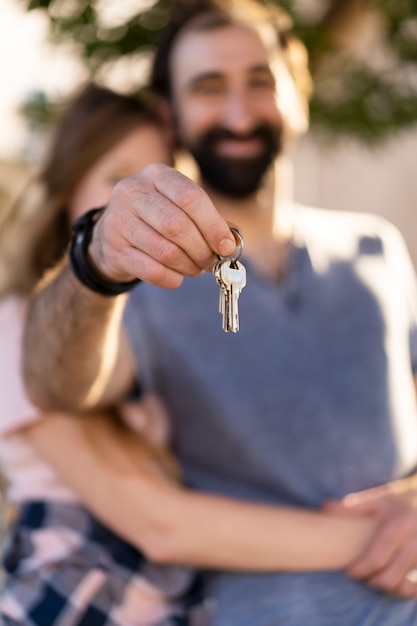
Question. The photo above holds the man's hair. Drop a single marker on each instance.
(206, 15)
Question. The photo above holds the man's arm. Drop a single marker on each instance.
(158, 226)
(76, 355)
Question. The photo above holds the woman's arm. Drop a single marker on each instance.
(171, 524)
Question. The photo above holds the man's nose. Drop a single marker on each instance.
(238, 115)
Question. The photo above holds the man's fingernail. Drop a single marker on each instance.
(227, 247)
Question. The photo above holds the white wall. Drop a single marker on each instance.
(352, 177)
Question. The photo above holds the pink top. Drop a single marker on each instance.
(28, 477)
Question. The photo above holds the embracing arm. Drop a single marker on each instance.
(171, 524)
(390, 558)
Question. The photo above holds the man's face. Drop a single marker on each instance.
(225, 106)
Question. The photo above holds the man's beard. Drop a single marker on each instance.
(236, 177)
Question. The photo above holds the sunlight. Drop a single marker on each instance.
(114, 14)
(31, 65)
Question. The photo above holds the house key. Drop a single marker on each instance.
(230, 275)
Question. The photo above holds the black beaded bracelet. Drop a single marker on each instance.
(82, 234)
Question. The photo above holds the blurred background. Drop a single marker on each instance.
(360, 153)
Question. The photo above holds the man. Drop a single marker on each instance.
(314, 398)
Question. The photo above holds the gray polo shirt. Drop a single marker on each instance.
(312, 399)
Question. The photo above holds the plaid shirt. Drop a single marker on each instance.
(64, 568)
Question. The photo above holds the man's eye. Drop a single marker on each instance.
(208, 88)
(262, 83)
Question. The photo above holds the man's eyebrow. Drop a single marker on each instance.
(202, 77)
(214, 75)
(261, 67)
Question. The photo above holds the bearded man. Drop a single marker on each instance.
(314, 399)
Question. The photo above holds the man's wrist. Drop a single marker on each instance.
(82, 266)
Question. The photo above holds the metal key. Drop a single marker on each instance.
(232, 277)
(223, 295)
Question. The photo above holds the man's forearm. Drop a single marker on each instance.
(71, 343)
(158, 226)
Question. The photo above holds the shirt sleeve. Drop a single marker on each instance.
(411, 294)
(405, 275)
(16, 410)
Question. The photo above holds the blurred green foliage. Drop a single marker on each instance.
(37, 109)
(352, 96)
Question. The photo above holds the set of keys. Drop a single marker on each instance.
(230, 276)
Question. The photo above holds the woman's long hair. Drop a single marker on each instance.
(35, 230)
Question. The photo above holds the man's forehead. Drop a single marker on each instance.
(226, 49)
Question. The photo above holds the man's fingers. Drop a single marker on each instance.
(134, 249)
(152, 272)
(147, 240)
(175, 228)
(196, 204)
(159, 226)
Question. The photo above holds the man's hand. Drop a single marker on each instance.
(392, 553)
(159, 226)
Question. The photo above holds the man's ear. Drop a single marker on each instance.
(164, 111)
(293, 93)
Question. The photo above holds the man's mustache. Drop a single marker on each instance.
(218, 134)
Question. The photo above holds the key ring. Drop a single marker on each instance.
(239, 247)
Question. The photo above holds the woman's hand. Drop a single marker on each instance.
(389, 562)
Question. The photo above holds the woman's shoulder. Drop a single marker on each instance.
(12, 310)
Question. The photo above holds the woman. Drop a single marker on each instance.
(101, 517)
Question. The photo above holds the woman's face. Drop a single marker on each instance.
(144, 145)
